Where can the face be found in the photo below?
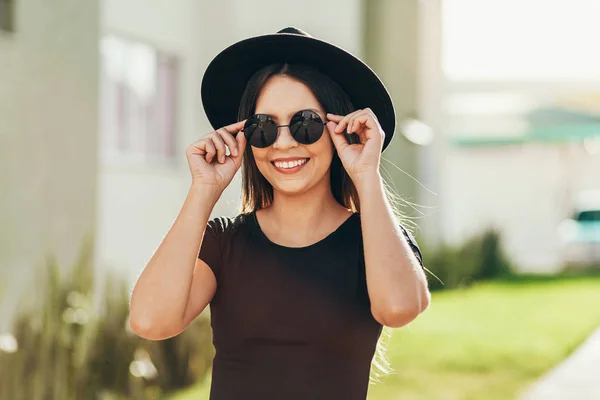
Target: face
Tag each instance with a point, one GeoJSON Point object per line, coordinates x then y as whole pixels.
{"type": "Point", "coordinates": [289, 166]}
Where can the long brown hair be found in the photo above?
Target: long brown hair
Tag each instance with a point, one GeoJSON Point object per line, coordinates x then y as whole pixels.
{"type": "Point", "coordinates": [257, 192]}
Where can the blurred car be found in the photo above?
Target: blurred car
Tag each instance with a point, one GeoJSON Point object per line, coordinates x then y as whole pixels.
{"type": "Point", "coordinates": [580, 234]}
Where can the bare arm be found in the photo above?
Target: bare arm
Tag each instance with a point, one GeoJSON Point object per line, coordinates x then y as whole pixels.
{"type": "Point", "coordinates": [163, 302]}
{"type": "Point", "coordinates": [176, 286]}
{"type": "Point", "coordinates": [396, 282]}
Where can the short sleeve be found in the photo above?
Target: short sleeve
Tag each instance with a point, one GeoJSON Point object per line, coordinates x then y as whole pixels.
{"type": "Point", "coordinates": [211, 250]}
{"type": "Point", "coordinates": [413, 244]}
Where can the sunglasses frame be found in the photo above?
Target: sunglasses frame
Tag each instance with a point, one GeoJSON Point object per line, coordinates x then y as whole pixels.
{"type": "Point", "coordinates": [323, 121]}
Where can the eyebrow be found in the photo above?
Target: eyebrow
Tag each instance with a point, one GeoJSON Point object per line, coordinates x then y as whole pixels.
{"type": "Point", "coordinates": [294, 112]}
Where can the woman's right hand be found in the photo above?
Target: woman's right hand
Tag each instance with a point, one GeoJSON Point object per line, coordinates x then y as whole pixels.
{"type": "Point", "coordinates": [208, 161]}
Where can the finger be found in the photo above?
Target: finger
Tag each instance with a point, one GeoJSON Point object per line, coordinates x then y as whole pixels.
{"type": "Point", "coordinates": [372, 114]}
{"type": "Point", "coordinates": [229, 141]}
{"type": "Point", "coordinates": [235, 128]}
{"type": "Point", "coordinates": [210, 150]}
{"type": "Point", "coordinates": [334, 117]}
{"type": "Point", "coordinates": [355, 125]}
{"type": "Point", "coordinates": [344, 122]}
{"type": "Point", "coordinates": [369, 121]}
{"type": "Point", "coordinates": [241, 145]}
{"type": "Point", "coordinates": [339, 141]}
{"type": "Point", "coordinates": [351, 123]}
{"type": "Point", "coordinates": [373, 135]}
{"type": "Point", "coordinates": [220, 146]}
{"type": "Point", "coordinates": [197, 148]}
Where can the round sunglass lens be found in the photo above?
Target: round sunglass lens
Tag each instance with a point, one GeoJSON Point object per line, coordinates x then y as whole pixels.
{"type": "Point", "coordinates": [306, 127]}
{"type": "Point", "coordinates": [260, 131]}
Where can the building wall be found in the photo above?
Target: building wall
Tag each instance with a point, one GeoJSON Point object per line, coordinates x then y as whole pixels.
{"type": "Point", "coordinates": [403, 46]}
{"type": "Point", "coordinates": [392, 51]}
{"type": "Point", "coordinates": [138, 204]}
{"type": "Point", "coordinates": [48, 137]}
{"type": "Point", "coordinates": [525, 191]}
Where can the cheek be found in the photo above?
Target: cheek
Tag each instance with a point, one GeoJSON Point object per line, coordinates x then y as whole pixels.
{"type": "Point", "coordinates": [260, 157]}
{"type": "Point", "coordinates": [260, 161]}
{"type": "Point", "coordinates": [323, 154]}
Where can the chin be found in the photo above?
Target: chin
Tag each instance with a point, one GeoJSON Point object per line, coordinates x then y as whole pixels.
{"type": "Point", "coordinates": [291, 187]}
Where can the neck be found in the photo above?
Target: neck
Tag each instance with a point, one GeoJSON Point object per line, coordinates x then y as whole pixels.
{"type": "Point", "coordinates": [304, 211]}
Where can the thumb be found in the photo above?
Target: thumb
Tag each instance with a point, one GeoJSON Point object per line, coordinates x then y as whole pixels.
{"type": "Point", "coordinates": [338, 139]}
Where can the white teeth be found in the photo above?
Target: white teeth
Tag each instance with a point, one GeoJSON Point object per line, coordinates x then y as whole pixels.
{"type": "Point", "coordinates": [290, 164]}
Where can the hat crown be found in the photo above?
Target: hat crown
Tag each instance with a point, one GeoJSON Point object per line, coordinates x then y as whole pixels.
{"type": "Point", "coordinates": [293, 30]}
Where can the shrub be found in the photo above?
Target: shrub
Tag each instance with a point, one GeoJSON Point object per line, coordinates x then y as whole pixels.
{"type": "Point", "coordinates": [479, 257]}
{"type": "Point", "coordinates": [70, 348]}
{"type": "Point", "coordinates": [493, 261]}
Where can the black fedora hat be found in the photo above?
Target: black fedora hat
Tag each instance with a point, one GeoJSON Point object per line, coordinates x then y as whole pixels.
{"type": "Point", "coordinates": [228, 73]}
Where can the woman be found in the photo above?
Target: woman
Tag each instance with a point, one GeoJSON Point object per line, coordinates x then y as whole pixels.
{"type": "Point", "coordinates": [300, 283]}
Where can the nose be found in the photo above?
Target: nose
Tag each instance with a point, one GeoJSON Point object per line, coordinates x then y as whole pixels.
{"type": "Point", "coordinates": [285, 140]}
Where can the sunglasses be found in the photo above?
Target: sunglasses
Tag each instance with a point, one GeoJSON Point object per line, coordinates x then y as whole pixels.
{"type": "Point", "coordinates": [306, 127]}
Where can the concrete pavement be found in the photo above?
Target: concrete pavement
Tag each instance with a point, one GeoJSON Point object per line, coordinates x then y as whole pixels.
{"type": "Point", "coordinates": [576, 378]}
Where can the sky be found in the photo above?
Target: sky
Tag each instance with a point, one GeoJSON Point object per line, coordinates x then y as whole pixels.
{"type": "Point", "coordinates": [521, 40]}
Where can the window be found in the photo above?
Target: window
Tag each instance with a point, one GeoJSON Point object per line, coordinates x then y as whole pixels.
{"type": "Point", "coordinates": [7, 15]}
{"type": "Point", "coordinates": [138, 103]}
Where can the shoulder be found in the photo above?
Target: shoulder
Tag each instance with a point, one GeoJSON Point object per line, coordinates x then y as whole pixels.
{"type": "Point", "coordinates": [228, 224]}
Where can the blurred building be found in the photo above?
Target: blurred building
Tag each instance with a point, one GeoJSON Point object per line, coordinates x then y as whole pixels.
{"type": "Point", "coordinates": [519, 118]}
{"type": "Point", "coordinates": [48, 136]}
{"type": "Point", "coordinates": [523, 180]}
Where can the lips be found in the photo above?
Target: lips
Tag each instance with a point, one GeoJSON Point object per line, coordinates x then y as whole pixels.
{"type": "Point", "coordinates": [289, 166]}
{"type": "Point", "coordinates": [286, 164]}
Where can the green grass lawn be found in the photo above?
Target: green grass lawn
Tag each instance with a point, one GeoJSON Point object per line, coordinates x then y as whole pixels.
{"type": "Point", "coordinates": [487, 342]}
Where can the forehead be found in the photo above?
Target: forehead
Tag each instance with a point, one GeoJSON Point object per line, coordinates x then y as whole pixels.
{"type": "Point", "coordinates": [282, 96]}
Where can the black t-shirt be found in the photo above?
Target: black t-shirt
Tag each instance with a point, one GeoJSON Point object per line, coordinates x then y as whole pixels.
{"type": "Point", "coordinates": [289, 323]}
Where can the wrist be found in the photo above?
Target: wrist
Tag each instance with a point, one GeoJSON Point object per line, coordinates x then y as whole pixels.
{"type": "Point", "coordinates": [205, 192]}
{"type": "Point", "coordinates": [367, 180]}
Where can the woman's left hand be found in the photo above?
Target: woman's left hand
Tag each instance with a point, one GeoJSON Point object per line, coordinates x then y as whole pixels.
{"type": "Point", "coordinates": [361, 159]}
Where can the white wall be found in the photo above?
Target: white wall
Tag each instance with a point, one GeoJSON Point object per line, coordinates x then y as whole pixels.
{"type": "Point", "coordinates": [48, 136]}
{"type": "Point", "coordinates": [338, 21]}
{"type": "Point", "coordinates": [523, 190]}
{"type": "Point", "coordinates": [137, 205]}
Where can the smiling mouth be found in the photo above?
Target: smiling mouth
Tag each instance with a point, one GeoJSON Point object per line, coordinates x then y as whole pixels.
{"type": "Point", "coordinates": [290, 164]}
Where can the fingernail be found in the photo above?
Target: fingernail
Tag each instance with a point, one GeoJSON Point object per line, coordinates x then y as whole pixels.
{"type": "Point", "coordinates": [235, 152]}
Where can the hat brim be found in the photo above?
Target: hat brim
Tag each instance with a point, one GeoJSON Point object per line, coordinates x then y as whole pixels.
{"type": "Point", "coordinates": [228, 73]}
